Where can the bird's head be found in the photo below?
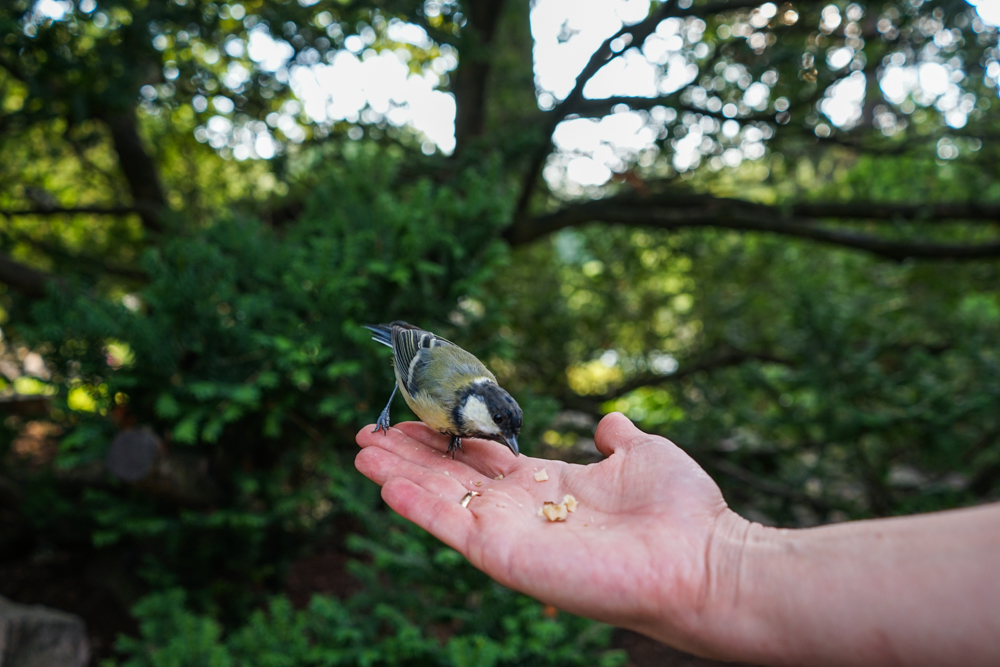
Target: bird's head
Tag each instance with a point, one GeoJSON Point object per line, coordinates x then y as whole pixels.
{"type": "Point", "coordinates": [487, 411]}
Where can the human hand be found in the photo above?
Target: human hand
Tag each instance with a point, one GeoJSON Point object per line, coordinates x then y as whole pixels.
{"type": "Point", "coordinates": [638, 551]}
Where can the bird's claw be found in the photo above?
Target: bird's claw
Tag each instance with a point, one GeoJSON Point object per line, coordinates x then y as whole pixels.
{"type": "Point", "coordinates": [383, 422]}
{"type": "Point", "coordinates": [454, 446]}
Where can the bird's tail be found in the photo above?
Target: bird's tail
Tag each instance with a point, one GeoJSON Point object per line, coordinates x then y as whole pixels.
{"type": "Point", "coordinates": [383, 333]}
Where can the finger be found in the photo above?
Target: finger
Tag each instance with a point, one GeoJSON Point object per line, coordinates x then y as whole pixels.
{"type": "Point", "coordinates": [421, 451]}
{"type": "Point", "coordinates": [486, 457]}
{"type": "Point", "coordinates": [398, 442]}
{"type": "Point", "coordinates": [617, 432]}
{"type": "Point", "coordinates": [440, 515]}
{"type": "Point", "coordinates": [381, 467]}
{"type": "Point", "coordinates": [368, 437]}
{"type": "Point", "coordinates": [423, 434]}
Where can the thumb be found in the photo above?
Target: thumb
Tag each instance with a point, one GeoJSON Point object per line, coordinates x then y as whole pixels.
{"type": "Point", "coordinates": [617, 432]}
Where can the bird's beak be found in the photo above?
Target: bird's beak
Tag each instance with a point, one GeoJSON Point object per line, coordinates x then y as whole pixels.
{"type": "Point", "coordinates": [511, 442]}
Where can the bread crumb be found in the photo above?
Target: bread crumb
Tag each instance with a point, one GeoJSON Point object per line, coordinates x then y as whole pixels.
{"type": "Point", "coordinates": [498, 477]}
{"type": "Point", "coordinates": [478, 483]}
{"type": "Point", "coordinates": [558, 511]}
{"type": "Point", "coordinates": [541, 475]}
{"type": "Point", "coordinates": [554, 511]}
{"type": "Point", "coordinates": [447, 473]}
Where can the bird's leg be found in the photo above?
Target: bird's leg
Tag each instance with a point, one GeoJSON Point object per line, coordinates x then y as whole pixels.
{"type": "Point", "coordinates": [454, 446]}
{"type": "Point", "coordinates": [383, 419]}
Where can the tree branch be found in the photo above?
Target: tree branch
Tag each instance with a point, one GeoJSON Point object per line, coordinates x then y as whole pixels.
{"type": "Point", "coordinates": [672, 211]}
{"type": "Point", "coordinates": [23, 278]}
{"type": "Point", "coordinates": [722, 360]}
{"type": "Point", "coordinates": [14, 69]}
{"type": "Point", "coordinates": [596, 108]}
{"type": "Point", "coordinates": [138, 168]}
{"type": "Point", "coordinates": [72, 210]}
{"type": "Point", "coordinates": [31, 282]}
{"type": "Point", "coordinates": [636, 35]}
{"type": "Point", "coordinates": [862, 210]}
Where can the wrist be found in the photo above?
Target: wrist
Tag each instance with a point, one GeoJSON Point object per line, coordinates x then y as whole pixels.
{"type": "Point", "coordinates": [773, 601]}
{"type": "Point", "coordinates": [715, 618]}
{"type": "Point", "coordinates": [734, 623]}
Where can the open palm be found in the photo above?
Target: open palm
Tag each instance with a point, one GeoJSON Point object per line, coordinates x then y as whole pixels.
{"type": "Point", "coordinates": [635, 553]}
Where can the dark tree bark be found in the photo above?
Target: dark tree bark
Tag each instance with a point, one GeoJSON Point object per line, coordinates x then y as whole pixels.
{"type": "Point", "coordinates": [470, 79]}
{"type": "Point", "coordinates": [672, 211]}
{"type": "Point", "coordinates": [138, 168]}
{"type": "Point", "coordinates": [21, 277]}
{"type": "Point", "coordinates": [72, 210]}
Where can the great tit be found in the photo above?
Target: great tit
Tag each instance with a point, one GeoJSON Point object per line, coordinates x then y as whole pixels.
{"type": "Point", "coordinates": [448, 388]}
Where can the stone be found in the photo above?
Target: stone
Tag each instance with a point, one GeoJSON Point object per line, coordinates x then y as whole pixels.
{"type": "Point", "coordinates": [36, 636]}
{"type": "Point", "coordinates": [133, 454]}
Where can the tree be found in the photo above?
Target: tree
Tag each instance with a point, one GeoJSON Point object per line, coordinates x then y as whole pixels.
{"type": "Point", "coordinates": [770, 71]}
{"type": "Point", "coordinates": [801, 292]}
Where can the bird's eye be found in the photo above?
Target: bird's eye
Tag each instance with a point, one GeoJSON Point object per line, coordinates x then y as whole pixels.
{"type": "Point", "coordinates": [497, 418]}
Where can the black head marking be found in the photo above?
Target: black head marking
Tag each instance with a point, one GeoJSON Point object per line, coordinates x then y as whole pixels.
{"type": "Point", "coordinates": [504, 409]}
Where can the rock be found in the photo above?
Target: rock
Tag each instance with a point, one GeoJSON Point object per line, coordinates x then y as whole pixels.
{"type": "Point", "coordinates": [138, 457]}
{"type": "Point", "coordinates": [36, 636]}
{"type": "Point", "coordinates": [133, 454]}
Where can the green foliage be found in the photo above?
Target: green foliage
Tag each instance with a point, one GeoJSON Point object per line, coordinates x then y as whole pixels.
{"type": "Point", "coordinates": [334, 632]}
{"type": "Point", "coordinates": [816, 385]}
{"type": "Point", "coordinates": [420, 603]}
{"type": "Point", "coordinates": [180, 637]}
{"type": "Point", "coordinates": [244, 351]}
{"type": "Point", "coordinates": [854, 388]}
{"type": "Point", "coordinates": [881, 396]}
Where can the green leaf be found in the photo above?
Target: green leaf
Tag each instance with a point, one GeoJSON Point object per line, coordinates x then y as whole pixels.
{"type": "Point", "coordinates": [167, 406]}
{"type": "Point", "coordinates": [204, 390]}
{"type": "Point", "coordinates": [186, 431]}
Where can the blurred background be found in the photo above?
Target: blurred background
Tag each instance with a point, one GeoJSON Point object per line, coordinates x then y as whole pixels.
{"type": "Point", "coordinates": [767, 231]}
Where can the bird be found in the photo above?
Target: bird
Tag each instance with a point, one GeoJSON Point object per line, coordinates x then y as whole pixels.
{"type": "Point", "coordinates": [448, 388]}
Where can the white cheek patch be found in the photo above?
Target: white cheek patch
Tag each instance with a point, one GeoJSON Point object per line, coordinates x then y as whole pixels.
{"type": "Point", "coordinates": [475, 416]}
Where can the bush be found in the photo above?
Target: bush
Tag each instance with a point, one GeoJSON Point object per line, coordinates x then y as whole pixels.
{"type": "Point", "coordinates": [419, 603]}
{"type": "Point", "coordinates": [243, 351]}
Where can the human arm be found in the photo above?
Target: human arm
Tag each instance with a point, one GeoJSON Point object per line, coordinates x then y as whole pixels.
{"type": "Point", "coordinates": [916, 590]}
{"type": "Point", "coordinates": [654, 548]}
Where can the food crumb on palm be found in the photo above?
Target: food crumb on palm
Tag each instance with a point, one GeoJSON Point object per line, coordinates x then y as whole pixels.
{"type": "Point", "coordinates": [554, 511]}
{"type": "Point", "coordinates": [558, 511]}
{"type": "Point", "coordinates": [570, 502]}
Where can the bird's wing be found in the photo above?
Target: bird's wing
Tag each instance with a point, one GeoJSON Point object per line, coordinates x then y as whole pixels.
{"type": "Point", "coordinates": [407, 343]}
